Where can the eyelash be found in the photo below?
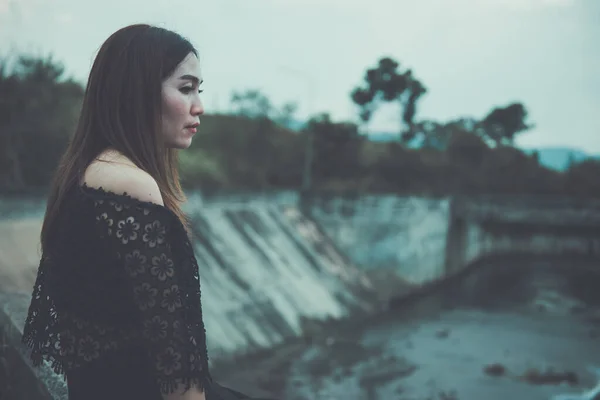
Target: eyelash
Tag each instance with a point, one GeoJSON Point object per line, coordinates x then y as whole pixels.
{"type": "Point", "coordinates": [187, 90]}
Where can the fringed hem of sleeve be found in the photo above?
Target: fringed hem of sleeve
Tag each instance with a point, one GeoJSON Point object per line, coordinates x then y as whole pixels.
{"type": "Point", "coordinates": [174, 384]}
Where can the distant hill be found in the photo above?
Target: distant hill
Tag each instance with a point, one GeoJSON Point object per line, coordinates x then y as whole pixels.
{"type": "Point", "coordinates": [383, 137]}
{"type": "Point", "coordinates": [559, 158]}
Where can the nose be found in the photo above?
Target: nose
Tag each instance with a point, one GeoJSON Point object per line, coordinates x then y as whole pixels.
{"type": "Point", "coordinates": [197, 107]}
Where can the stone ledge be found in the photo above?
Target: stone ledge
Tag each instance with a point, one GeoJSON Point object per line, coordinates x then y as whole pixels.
{"type": "Point", "coordinates": [39, 383]}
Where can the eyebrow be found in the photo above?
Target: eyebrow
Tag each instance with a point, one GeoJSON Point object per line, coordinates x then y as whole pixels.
{"type": "Point", "coordinates": [191, 78]}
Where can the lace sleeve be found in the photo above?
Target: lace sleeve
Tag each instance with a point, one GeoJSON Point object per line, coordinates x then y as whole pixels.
{"type": "Point", "coordinates": [140, 236]}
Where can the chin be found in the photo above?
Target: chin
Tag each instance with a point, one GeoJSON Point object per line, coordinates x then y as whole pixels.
{"type": "Point", "coordinates": [181, 144]}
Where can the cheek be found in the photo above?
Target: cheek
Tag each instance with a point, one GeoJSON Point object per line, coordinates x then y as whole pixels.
{"type": "Point", "coordinates": [175, 105]}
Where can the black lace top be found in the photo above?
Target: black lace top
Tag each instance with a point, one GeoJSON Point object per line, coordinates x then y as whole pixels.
{"type": "Point", "coordinates": [121, 272]}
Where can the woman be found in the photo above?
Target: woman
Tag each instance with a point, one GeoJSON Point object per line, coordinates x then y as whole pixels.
{"type": "Point", "coordinates": [116, 303]}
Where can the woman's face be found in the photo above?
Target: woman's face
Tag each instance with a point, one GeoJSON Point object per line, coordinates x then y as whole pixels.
{"type": "Point", "coordinates": [181, 104]}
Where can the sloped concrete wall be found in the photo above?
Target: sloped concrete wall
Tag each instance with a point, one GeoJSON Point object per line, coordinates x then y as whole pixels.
{"type": "Point", "coordinates": [405, 234]}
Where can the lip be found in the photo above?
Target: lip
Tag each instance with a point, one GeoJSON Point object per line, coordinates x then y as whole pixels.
{"type": "Point", "coordinates": [192, 127]}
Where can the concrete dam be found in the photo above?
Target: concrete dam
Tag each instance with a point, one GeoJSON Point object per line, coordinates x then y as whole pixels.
{"type": "Point", "coordinates": [271, 265]}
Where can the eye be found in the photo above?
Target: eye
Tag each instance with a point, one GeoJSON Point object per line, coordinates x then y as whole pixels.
{"type": "Point", "coordinates": [189, 89]}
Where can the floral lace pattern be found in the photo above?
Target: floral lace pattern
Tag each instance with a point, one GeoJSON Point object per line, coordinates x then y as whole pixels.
{"type": "Point", "coordinates": [158, 267]}
{"type": "Point", "coordinates": [66, 340]}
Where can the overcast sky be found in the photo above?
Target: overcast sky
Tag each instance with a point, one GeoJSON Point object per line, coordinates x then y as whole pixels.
{"type": "Point", "coordinates": [472, 55]}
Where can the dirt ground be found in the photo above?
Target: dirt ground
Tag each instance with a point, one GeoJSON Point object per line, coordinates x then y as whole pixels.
{"type": "Point", "coordinates": [19, 254]}
{"type": "Point", "coordinates": [461, 354]}
{"type": "Point", "coordinates": [534, 336]}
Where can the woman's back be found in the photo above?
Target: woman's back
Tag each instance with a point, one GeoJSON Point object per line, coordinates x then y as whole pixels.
{"type": "Point", "coordinates": [116, 305]}
{"type": "Point", "coordinates": [126, 370]}
{"type": "Point", "coordinates": [116, 173]}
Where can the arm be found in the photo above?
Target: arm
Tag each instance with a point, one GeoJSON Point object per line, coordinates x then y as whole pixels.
{"type": "Point", "coordinates": [139, 234]}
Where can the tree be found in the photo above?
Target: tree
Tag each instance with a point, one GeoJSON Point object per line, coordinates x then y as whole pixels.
{"type": "Point", "coordinates": [385, 83]}
{"type": "Point", "coordinates": [429, 134]}
{"type": "Point", "coordinates": [38, 112]}
{"type": "Point", "coordinates": [336, 147]}
{"type": "Point", "coordinates": [254, 104]}
{"type": "Point", "coordinates": [503, 123]}
{"type": "Point", "coordinates": [467, 149]}
{"type": "Point", "coordinates": [581, 179]}
{"type": "Point", "coordinates": [285, 115]}
{"type": "Point", "coordinates": [251, 104]}
{"type": "Point", "coordinates": [571, 161]}
{"type": "Point", "coordinates": [535, 156]}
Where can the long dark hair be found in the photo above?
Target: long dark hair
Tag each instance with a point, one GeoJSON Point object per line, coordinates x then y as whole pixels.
{"type": "Point", "coordinates": [122, 109]}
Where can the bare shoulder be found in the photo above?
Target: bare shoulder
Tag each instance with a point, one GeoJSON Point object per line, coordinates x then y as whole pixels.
{"type": "Point", "coordinates": [120, 176]}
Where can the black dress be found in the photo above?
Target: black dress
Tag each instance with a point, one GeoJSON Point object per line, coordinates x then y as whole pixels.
{"type": "Point", "coordinates": [116, 303]}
